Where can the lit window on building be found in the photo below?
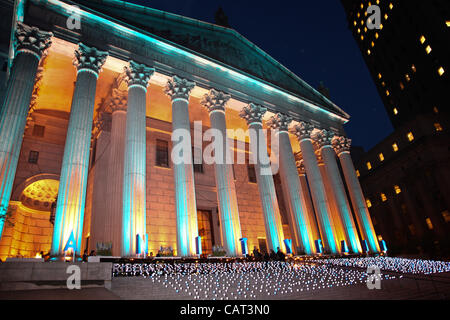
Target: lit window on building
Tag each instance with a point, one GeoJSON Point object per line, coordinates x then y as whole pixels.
{"type": "Point", "coordinates": [412, 229]}
{"type": "Point", "coordinates": [369, 166]}
{"type": "Point", "coordinates": [372, 44]}
{"type": "Point", "coordinates": [381, 157]}
{"type": "Point", "coordinates": [441, 71]}
{"type": "Point", "coordinates": [410, 136]}
{"type": "Point", "coordinates": [383, 197]}
{"type": "Point", "coordinates": [386, 16]}
{"type": "Point", "coordinates": [395, 111]}
{"type": "Point", "coordinates": [438, 127]}
{"type": "Point", "coordinates": [402, 85]}
{"type": "Point", "coordinates": [435, 110]}
{"type": "Point", "coordinates": [33, 157]}
{"type": "Point", "coordinates": [380, 237]}
{"type": "Point", "coordinates": [362, 37]}
{"type": "Point", "coordinates": [365, 29]}
{"type": "Point", "coordinates": [395, 147]}
{"type": "Point", "coordinates": [368, 52]}
{"type": "Point", "coordinates": [38, 131]}
{"type": "Point", "coordinates": [357, 173]}
{"type": "Point", "coordinates": [369, 204]}
{"type": "Point", "coordinates": [413, 68]}
{"type": "Point", "coordinates": [428, 49]}
{"type": "Point", "coordinates": [447, 23]}
{"type": "Point", "coordinates": [381, 26]}
{"type": "Point", "coordinates": [388, 93]}
{"type": "Point", "coordinates": [162, 153]}
{"type": "Point", "coordinates": [379, 76]}
{"type": "Point", "coordinates": [376, 35]}
{"type": "Point", "coordinates": [354, 23]}
{"type": "Point", "coordinates": [446, 215]}
{"type": "Point", "coordinates": [383, 84]}
{"type": "Point", "coordinates": [429, 224]}
{"type": "Point", "coordinates": [251, 173]}
{"type": "Point", "coordinates": [407, 77]}
{"type": "Point", "coordinates": [422, 39]}
{"type": "Point", "coordinates": [397, 189]}
{"type": "Point", "coordinates": [391, 6]}
{"type": "Point", "coordinates": [359, 30]}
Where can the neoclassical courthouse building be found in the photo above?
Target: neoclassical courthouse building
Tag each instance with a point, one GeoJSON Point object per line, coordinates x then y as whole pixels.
{"type": "Point", "coordinates": [92, 91]}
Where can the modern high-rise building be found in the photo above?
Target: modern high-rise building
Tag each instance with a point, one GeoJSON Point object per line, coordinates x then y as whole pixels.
{"type": "Point", "coordinates": [106, 104]}
{"type": "Point", "coordinates": [406, 177]}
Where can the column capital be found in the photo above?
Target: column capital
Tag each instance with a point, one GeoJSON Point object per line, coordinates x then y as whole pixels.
{"type": "Point", "coordinates": [323, 138]}
{"type": "Point", "coordinates": [215, 100]}
{"type": "Point", "coordinates": [341, 144]}
{"type": "Point", "coordinates": [32, 40]}
{"type": "Point", "coordinates": [89, 59]}
{"type": "Point", "coordinates": [300, 166]}
{"type": "Point", "coordinates": [138, 74]}
{"type": "Point", "coordinates": [303, 130]}
{"type": "Point", "coordinates": [179, 88]}
{"type": "Point", "coordinates": [253, 113]}
{"type": "Point", "coordinates": [280, 122]}
{"type": "Point", "coordinates": [118, 101]}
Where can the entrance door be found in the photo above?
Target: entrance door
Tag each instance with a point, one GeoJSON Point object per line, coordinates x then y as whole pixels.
{"type": "Point", "coordinates": [262, 245]}
{"type": "Point", "coordinates": [204, 218]}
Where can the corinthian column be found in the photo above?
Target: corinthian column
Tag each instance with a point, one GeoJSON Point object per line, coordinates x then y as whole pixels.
{"type": "Point", "coordinates": [72, 186]}
{"type": "Point", "coordinates": [303, 132]}
{"type": "Point", "coordinates": [323, 140]}
{"type": "Point", "coordinates": [215, 102]}
{"type": "Point", "coordinates": [114, 188]}
{"type": "Point", "coordinates": [272, 219]}
{"type": "Point", "coordinates": [291, 185]}
{"type": "Point", "coordinates": [31, 44]}
{"type": "Point", "coordinates": [134, 174]}
{"type": "Point", "coordinates": [342, 147]}
{"type": "Point", "coordinates": [187, 226]}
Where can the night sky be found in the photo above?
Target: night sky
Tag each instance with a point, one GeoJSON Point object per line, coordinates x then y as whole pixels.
{"type": "Point", "coordinates": [312, 39]}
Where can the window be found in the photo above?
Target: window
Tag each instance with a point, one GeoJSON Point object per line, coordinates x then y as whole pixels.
{"type": "Point", "coordinates": [33, 157]}
{"type": "Point", "coordinates": [379, 76]}
{"type": "Point", "coordinates": [391, 6]}
{"type": "Point", "coordinates": [395, 111]}
{"type": "Point", "coordinates": [413, 68]}
{"type": "Point", "coordinates": [447, 23]}
{"type": "Point", "coordinates": [38, 131]}
{"type": "Point", "coordinates": [441, 71]}
{"type": "Point", "coordinates": [357, 173]}
{"type": "Point", "coordinates": [402, 86]}
{"type": "Point", "coordinates": [422, 39]}
{"type": "Point", "coordinates": [410, 136]}
{"type": "Point", "coordinates": [369, 204]}
{"type": "Point", "coordinates": [162, 153]}
{"type": "Point", "coordinates": [397, 189]}
{"type": "Point", "coordinates": [381, 157]}
{"type": "Point", "coordinates": [412, 229]}
{"type": "Point", "coordinates": [435, 110]}
{"type": "Point", "coordinates": [369, 165]}
{"type": "Point", "coordinates": [388, 93]}
{"type": "Point", "coordinates": [407, 77]}
{"type": "Point", "coordinates": [446, 215]}
{"type": "Point", "coordinates": [429, 224]}
{"type": "Point", "coordinates": [383, 197]}
{"type": "Point", "coordinates": [438, 127]}
{"type": "Point", "coordinates": [251, 173]}
{"type": "Point", "coordinates": [395, 147]}
{"type": "Point", "coordinates": [197, 160]}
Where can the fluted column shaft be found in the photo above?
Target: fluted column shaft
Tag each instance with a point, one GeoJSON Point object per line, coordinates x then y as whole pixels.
{"type": "Point", "coordinates": [185, 202]}
{"type": "Point", "coordinates": [72, 187]}
{"type": "Point", "coordinates": [340, 196]}
{"type": "Point", "coordinates": [134, 173]}
{"type": "Point", "coordinates": [215, 102]}
{"type": "Point", "coordinates": [114, 188]}
{"type": "Point", "coordinates": [309, 207]}
{"type": "Point", "coordinates": [14, 111]}
{"type": "Point", "coordinates": [258, 149]}
{"type": "Point", "coordinates": [357, 198]}
{"type": "Point", "coordinates": [303, 133]}
{"type": "Point", "coordinates": [291, 185]}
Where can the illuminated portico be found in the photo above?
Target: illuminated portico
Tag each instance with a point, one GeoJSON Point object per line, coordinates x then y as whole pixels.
{"type": "Point", "coordinates": [129, 179]}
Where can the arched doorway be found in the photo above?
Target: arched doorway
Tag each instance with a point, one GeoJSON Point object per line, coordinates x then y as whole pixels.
{"type": "Point", "coordinates": [28, 230]}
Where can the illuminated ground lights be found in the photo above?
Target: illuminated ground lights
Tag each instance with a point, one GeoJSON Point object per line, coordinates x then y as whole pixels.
{"type": "Point", "coordinates": [402, 265]}
{"type": "Point", "coordinates": [244, 280]}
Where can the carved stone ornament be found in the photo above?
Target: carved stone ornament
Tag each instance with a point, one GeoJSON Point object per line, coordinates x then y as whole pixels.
{"type": "Point", "coordinates": [32, 40]}
{"type": "Point", "coordinates": [302, 130]}
{"type": "Point", "coordinates": [215, 100]}
{"type": "Point", "coordinates": [89, 58]}
{"type": "Point", "coordinates": [341, 144]}
{"type": "Point", "coordinates": [138, 74]}
{"type": "Point", "coordinates": [280, 122]}
{"type": "Point", "coordinates": [179, 88]}
{"type": "Point", "coordinates": [323, 138]}
{"type": "Point", "coordinates": [253, 113]}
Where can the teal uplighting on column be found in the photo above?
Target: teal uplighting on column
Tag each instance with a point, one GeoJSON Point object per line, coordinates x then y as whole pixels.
{"type": "Point", "coordinates": [186, 207]}
{"type": "Point", "coordinates": [215, 102]}
{"type": "Point", "coordinates": [342, 147]}
{"type": "Point", "coordinates": [134, 175]}
{"type": "Point", "coordinates": [303, 132]}
{"type": "Point", "coordinates": [291, 185]}
{"type": "Point", "coordinates": [30, 46]}
{"type": "Point", "coordinates": [253, 114]}
{"type": "Point", "coordinates": [72, 186]}
{"type": "Point", "coordinates": [323, 140]}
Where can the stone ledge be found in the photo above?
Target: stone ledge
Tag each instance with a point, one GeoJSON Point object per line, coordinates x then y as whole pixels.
{"type": "Point", "coordinates": [28, 275]}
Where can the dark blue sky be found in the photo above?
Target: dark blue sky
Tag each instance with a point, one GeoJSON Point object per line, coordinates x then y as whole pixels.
{"type": "Point", "coordinates": [312, 39]}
